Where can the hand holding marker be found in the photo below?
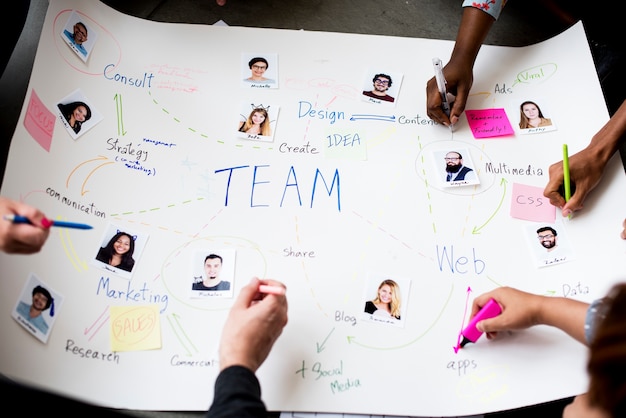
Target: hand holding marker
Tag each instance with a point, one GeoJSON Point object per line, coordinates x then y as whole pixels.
{"type": "Point", "coordinates": [471, 333]}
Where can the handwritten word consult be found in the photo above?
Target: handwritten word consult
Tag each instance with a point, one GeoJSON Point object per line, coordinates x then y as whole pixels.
{"type": "Point", "coordinates": [143, 81]}
{"type": "Point", "coordinates": [257, 187]}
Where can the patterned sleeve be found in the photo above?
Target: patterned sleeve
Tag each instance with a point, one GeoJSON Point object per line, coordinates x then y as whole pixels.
{"type": "Point", "coordinates": [595, 314]}
{"type": "Point", "coordinates": [492, 7]}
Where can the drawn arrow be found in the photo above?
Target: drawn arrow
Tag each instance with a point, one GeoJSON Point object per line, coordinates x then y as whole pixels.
{"type": "Point", "coordinates": [102, 319]}
{"type": "Point", "coordinates": [460, 337]}
{"type": "Point", "coordinates": [99, 158]}
{"type": "Point", "coordinates": [321, 347]}
{"type": "Point", "coordinates": [384, 118]}
{"type": "Point", "coordinates": [120, 116]}
{"type": "Point", "coordinates": [477, 229]}
{"type": "Point", "coordinates": [180, 333]}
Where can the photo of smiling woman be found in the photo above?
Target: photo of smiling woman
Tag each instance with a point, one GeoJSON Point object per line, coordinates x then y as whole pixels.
{"type": "Point", "coordinates": [387, 302]}
{"type": "Point", "coordinates": [118, 252]}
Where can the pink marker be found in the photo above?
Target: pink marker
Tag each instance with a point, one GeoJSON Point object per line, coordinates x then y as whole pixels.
{"type": "Point", "coordinates": [471, 333]}
{"type": "Point", "coordinates": [272, 290]}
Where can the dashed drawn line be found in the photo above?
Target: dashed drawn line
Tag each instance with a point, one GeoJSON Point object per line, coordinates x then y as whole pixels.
{"type": "Point", "coordinates": [205, 136]}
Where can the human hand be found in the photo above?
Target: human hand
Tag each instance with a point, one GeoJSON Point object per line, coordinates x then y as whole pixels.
{"type": "Point", "coordinates": [459, 80]}
{"type": "Point", "coordinates": [585, 173]}
{"type": "Point", "coordinates": [254, 323]}
{"type": "Point", "coordinates": [623, 234]}
{"type": "Point", "coordinates": [519, 310]}
{"type": "Point", "coordinates": [580, 408]}
{"type": "Point", "coordinates": [22, 238]}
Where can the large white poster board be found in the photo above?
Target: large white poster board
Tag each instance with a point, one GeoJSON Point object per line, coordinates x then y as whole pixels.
{"type": "Point", "coordinates": [342, 192]}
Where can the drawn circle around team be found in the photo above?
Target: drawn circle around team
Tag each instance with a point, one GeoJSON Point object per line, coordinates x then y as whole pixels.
{"type": "Point", "coordinates": [432, 172]}
{"type": "Point", "coordinates": [176, 270]}
{"type": "Point", "coordinates": [65, 52]}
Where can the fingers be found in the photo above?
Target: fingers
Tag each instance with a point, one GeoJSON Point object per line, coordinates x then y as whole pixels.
{"type": "Point", "coordinates": [623, 234]}
{"type": "Point", "coordinates": [247, 294]}
{"type": "Point", "coordinates": [433, 103]}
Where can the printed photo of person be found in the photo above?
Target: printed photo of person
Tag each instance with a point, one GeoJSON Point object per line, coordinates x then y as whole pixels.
{"type": "Point", "coordinates": [385, 300]}
{"type": "Point", "coordinates": [37, 308]}
{"type": "Point", "coordinates": [456, 167]}
{"type": "Point", "coordinates": [549, 243]}
{"type": "Point", "coordinates": [260, 71]}
{"type": "Point", "coordinates": [532, 119]}
{"type": "Point", "coordinates": [381, 87]}
{"type": "Point", "coordinates": [119, 251]}
{"type": "Point", "coordinates": [77, 114]}
{"type": "Point", "coordinates": [79, 36]}
{"type": "Point", "coordinates": [213, 272]}
{"type": "Point", "coordinates": [257, 122]}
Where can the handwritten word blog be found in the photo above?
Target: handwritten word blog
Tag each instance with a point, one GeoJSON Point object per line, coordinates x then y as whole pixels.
{"type": "Point", "coordinates": [291, 189]}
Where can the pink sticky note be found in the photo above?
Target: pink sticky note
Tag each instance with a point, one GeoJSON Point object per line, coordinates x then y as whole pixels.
{"type": "Point", "coordinates": [39, 121]}
{"type": "Point", "coordinates": [487, 123]}
{"type": "Point", "coordinates": [529, 203]}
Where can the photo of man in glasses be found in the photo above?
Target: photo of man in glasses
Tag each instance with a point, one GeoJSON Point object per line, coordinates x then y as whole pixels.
{"type": "Point", "coordinates": [382, 83]}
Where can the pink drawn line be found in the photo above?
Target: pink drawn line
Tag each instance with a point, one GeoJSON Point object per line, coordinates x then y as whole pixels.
{"type": "Point", "coordinates": [460, 337]}
{"type": "Point", "coordinates": [87, 330]}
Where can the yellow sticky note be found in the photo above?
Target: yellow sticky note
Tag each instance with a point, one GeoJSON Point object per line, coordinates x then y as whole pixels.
{"type": "Point", "coordinates": [345, 144]}
{"type": "Point", "coordinates": [135, 328]}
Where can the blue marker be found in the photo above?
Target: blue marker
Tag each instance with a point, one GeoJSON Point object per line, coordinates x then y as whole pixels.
{"type": "Point", "coordinates": [17, 219]}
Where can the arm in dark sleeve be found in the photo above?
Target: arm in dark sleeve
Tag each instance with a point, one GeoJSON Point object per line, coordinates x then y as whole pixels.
{"type": "Point", "coordinates": [237, 395]}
